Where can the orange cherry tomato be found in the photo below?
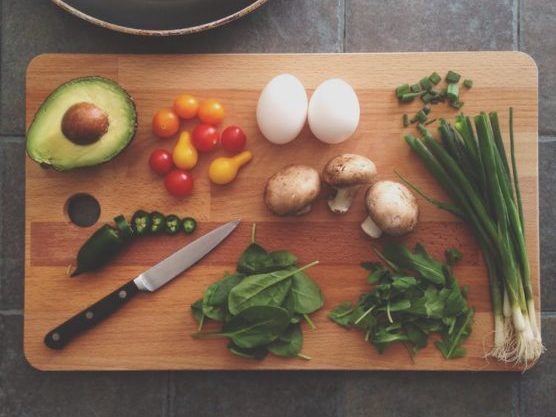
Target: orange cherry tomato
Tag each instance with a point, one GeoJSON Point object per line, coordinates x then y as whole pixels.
{"type": "Point", "coordinates": [166, 123]}
{"type": "Point", "coordinates": [211, 112]}
{"type": "Point", "coordinates": [186, 106]}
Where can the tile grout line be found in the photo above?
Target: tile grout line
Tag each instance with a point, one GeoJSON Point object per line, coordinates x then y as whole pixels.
{"type": "Point", "coordinates": [515, 24]}
{"type": "Point", "coordinates": [344, 41]}
{"type": "Point", "coordinates": [11, 312]}
{"type": "Point", "coordinates": [547, 139]}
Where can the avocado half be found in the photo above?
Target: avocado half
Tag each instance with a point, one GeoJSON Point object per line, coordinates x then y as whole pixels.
{"type": "Point", "coordinates": [84, 122]}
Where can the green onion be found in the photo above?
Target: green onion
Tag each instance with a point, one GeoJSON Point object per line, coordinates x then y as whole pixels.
{"type": "Point", "coordinates": [415, 88]}
{"type": "Point", "coordinates": [408, 97]}
{"type": "Point", "coordinates": [452, 92]}
{"type": "Point", "coordinates": [474, 171]}
{"type": "Point", "coordinates": [420, 117]}
{"type": "Point", "coordinates": [405, 120]}
{"type": "Point", "coordinates": [468, 83]}
{"type": "Point", "coordinates": [427, 108]}
{"type": "Point", "coordinates": [402, 89]}
{"type": "Point", "coordinates": [426, 84]}
{"type": "Point", "coordinates": [452, 77]}
{"type": "Point", "coordinates": [435, 78]}
{"type": "Point", "coordinates": [427, 97]}
{"type": "Point", "coordinates": [458, 104]}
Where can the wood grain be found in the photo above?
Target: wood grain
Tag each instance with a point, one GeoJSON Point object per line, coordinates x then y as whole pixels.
{"type": "Point", "coordinates": [154, 331]}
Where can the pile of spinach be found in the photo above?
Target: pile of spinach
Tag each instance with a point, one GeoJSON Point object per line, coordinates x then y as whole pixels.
{"type": "Point", "coordinates": [413, 296]}
{"type": "Point", "coordinates": [261, 305]}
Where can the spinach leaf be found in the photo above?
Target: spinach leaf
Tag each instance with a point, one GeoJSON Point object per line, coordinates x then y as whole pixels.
{"type": "Point", "coordinates": [197, 310]}
{"type": "Point", "coordinates": [253, 353]}
{"type": "Point", "coordinates": [254, 260]}
{"type": "Point", "coordinates": [221, 289]}
{"type": "Point", "coordinates": [289, 343]}
{"type": "Point", "coordinates": [256, 326]}
{"type": "Point", "coordinates": [253, 327]}
{"type": "Point", "coordinates": [282, 259]}
{"type": "Point", "coordinates": [307, 296]}
{"type": "Point", "coordinates": [261, 289]}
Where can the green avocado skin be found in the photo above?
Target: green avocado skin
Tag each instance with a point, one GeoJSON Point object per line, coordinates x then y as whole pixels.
{"type": "Point", "coordinates": [40, 147]}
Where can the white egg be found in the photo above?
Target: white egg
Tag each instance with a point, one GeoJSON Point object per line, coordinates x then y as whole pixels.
{"type": "Point", "coordinates": [333, 111]}
{"type": "Point", "coordinates": [282, 109]}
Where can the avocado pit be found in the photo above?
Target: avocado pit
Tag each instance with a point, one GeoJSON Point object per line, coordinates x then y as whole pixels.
{"type": "Point", "coordinates": [84, 123]}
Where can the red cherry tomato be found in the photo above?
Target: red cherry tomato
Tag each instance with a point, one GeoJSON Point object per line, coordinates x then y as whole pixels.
{"type": "Point", "coordinates": [179, 183]}
{"type": "Point", "coordinates": [205, 137]}
{"type": "Point", "coordinates": [233, 139]}
{"type": "Point", "coordinates": [161, 161]}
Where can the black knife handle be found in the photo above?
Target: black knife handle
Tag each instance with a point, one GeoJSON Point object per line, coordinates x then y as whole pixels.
{"type": "Point", "coordinates": [94, 314]}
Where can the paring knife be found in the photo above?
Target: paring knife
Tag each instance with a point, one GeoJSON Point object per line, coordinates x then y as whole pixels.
{"type": "Point", "coordinates": [150, 280]}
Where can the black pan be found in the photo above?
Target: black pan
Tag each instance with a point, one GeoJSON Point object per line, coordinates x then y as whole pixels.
{"type": "Point", "coordinates": [159, 17]}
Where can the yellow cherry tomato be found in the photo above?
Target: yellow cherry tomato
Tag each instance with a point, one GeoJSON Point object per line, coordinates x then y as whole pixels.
{"type": "Point", "coordinates": [211, 112]}
{"type": "Point", "coordinates": [186, 106]}
{"type": "Point", "coordinates": [185, 155]}
{"type": "Point", "coordinates": [224, 170]}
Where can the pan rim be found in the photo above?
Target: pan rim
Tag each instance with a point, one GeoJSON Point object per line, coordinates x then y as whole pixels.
{"type": "Point", "coordinates": [159, 32]}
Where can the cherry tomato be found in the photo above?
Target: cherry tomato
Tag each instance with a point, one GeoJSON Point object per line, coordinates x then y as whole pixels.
{"type": "Point", "coordinates": [186, 106]}
{"type": "Point", "coordinates": [211, 112]}
{"type": "Point", "coordinates": [205, 137]}
{"type": "Point", "coordinates": [161, 161]}
{"type": "Point", "coordinates": [179, 183]}
{"type": "Point", "coordinates": [233, 139]}
{"type": "Point", "coordinates": [166, 123]}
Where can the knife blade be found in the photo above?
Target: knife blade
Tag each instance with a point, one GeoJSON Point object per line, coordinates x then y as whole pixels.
{"type": "Point", "coordinates": [150, 280]}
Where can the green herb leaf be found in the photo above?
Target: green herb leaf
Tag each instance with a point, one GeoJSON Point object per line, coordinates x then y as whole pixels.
{"type": "Point", "coordinates": [253, 353]}
{"type": "Point", "coordinates": [289, 343]}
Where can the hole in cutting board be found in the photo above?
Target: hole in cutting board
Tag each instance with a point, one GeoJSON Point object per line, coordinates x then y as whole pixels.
{"type": "Point", "coordinates": [83, 209]}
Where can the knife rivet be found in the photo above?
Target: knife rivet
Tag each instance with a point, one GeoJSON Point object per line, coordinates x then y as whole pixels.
{"type": "Point", "coordinates": [122, 294]}
{"type": "Point", "coordinates": [89, 315]}
{"type": "Point", "coordinates": [55, 336]}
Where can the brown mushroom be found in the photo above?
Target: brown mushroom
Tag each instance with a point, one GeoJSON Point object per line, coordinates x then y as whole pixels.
{"type": "Point", "coordinates": [392, 209]}
{"type": "Point", "coordinates": [346, 174]}
{"type": "Point", "coordinates": [84, 123]}
{"type": "Point", "coordinates": [292, 190]}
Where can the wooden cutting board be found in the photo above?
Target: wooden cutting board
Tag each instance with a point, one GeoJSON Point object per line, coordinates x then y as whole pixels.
{"type": "Point", "coordinates": [153, 332]}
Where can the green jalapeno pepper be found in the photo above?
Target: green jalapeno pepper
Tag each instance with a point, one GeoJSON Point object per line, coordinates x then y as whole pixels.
{"type": "Point", "coordinates": [172, 224]}
{"type": "Point", "coordinates": [123, 227]}
{"type": "Point", "coordinates": [99, 249]}
{"type": "Point", "coordinates": [141, 223]}
{"type": "Point", "coordinates": [158, 222]}
{"type": "Point", "coordinates": [189, 225]}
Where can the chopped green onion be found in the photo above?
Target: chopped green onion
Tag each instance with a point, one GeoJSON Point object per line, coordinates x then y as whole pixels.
{"type": "Point", "coordinates": [427, 108]}
{"type": "Point", "coordinates": [402, 89]}
{"type": "Point", "coordinates": [430, 122]}
{"type": "Point", "coordinates": [458, 104]}
{"type": "Point", "coordinates": [415, 88]}
{"type": "Point", "coordinates": [468, 83]}
{"type": "Point", "coordinates": [425, 83]}
{"type": "Point", "coordinates": [435, 78]}
{"type": "Point", "coordinates": [405, 120]}
{"type": "Point", "coordinates": [452, 92]}
{"type": "Point", "coordinates": [420, 117]}
{"type": "Point", "coordinates": [452, 77]}
{"type": "Point", "coordinates": [408, 97]}
{"type": "Point", "coordinates": [427, 97]}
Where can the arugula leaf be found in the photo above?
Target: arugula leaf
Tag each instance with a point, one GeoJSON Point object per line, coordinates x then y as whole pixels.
{"type": "Point", "coordinates": [378, 274]}
{"type": "Point", "coordinates": [418, 261]}
{"type": "Point", "coordinates": [453, 256]}
{"type": "Point", "coordinates": [343, 314]}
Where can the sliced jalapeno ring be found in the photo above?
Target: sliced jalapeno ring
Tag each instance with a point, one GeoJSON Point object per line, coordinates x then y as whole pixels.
{"type": "Point", "coordinates": [189, 225]}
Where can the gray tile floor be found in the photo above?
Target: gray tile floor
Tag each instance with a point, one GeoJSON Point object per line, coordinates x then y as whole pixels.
{"type": "Point", "coordinates": [31, 27]}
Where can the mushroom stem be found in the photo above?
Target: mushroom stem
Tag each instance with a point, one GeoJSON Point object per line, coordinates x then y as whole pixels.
{"type": "Point", "coordinates": [371, 228]}
{"type": "Point", "coordinates": [341, 202]}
